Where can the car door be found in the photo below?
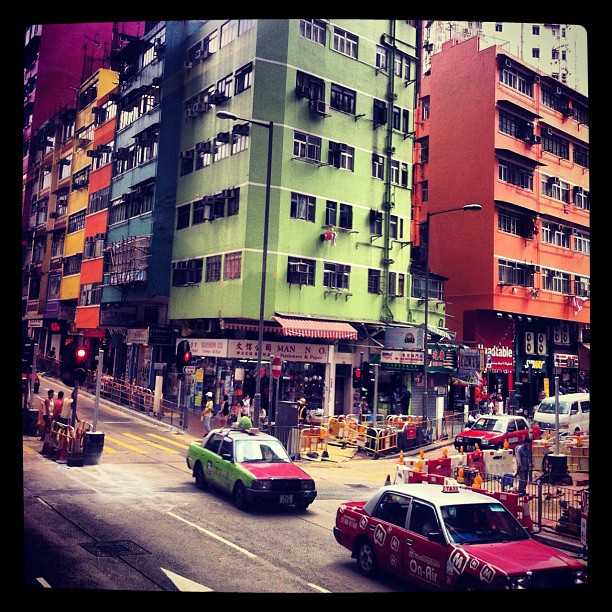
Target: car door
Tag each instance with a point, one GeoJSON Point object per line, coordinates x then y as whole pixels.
{"type": "Point", "coordinates": [424, 560]}
{"type": "Point", "coordinates": [388, 529]}
{"type": "Point", "coordinates": [522, 429]}
{"type": "Point", "coordinates": [222, 467]}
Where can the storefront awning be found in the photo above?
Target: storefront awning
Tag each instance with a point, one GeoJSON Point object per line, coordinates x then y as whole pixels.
{"type": "Point", "coordinates": [315, 328]}
{"type": "Point", "coordinates": [441, 332]}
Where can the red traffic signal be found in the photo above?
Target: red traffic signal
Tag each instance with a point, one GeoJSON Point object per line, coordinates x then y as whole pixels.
{"type": "Point", "coordinates": [187, 357]}
{"type": "Point", "coordinates": [81, 353]}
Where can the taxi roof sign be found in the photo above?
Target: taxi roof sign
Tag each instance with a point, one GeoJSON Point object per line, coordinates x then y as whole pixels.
{"type": "Point", "coordinates": [450, 486]}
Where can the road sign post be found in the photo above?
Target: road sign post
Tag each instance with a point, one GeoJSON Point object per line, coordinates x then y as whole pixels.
{"type": "Point", "coordinates": [277, 367]}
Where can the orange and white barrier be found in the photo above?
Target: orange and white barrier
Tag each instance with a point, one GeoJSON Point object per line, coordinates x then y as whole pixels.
{"type": "Point", "coordinates": [498, 462]}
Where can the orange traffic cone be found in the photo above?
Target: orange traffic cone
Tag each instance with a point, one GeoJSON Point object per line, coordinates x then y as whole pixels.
{"type": "Point", "coordinates": [75, 456]}
{"type": "Point", "coordinates": [527, 522]}
{"type": "Point", "coordinates": [388, 481]}
{"type": "Point", "coordinates": [62, 451]}
{"type": "Point", "coordinates": [401, 458]}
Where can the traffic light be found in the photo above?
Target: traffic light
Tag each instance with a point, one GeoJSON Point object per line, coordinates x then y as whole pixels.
{"type": "Point", "coordinates": [357, 378]}
{"type": "Point", "coordinates": [80, 368]}
{"type": "Point", "coordinates": [183, 355]}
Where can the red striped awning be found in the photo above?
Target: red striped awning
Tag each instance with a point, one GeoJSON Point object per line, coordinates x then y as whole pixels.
{"type": "Point", "coordinates": [315, 328]}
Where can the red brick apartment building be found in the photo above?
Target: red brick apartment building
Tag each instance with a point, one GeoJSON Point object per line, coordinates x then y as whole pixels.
{"type": "Point", "coordinates": [490, 129]}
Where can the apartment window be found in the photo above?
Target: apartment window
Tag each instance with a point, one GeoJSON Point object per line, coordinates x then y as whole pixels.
{"type": "Point", "coordinates": [222, 146]}
{"type": "Point", "coordinates": [535, 30]}
{"type": "Point", "coordinates": [425, 108]}
{"type": "Point", "coordinates": [340, 155]}
{"type": "Point", "coordinates": [243, 78]}
{"type": "Point", "coordinates": [240, 139]}
{"type": "Point", "coordinates": [57, 244]}
{"type": "Point", "coordinates": [376, 220]}
{"type": "Point", "coordinates": [336, 276]}
{"type": "Point", "coordinates": [187, 272]}
{"type": "Point", "coordinates": [514, 273]}
{"type": "Point", "coordinates": [555, 188]}
{"type": "Point", "coordinates": [401, 120]}
{"type": "Point", "coordinates": [306, 146]}
{"type": "Point", "coordinates": [379, 113]}
{"type": "Point", "coordinates": [582, 198]}
{"type": "Point", "coordinates": [93, 246]}
{"type": "Point", "coordinates": [339, 216]}
{"type": "Point", "coordinates": [581, 156]}
{"type": "Point", "coordinates": [396, 284]}
{"type": "Point", "coordinates": [499, 27]}
{"type": "Point", "coordinates": [203, 156]}
{"type": "Point", "coordinates": [345, 43]}
{"type": "Point", "coordinates": [343, 99]}
{"type": "Point", "coordinates": [582, 286]}
{"type": "Point", "coordinates": [80, 179]}
{"type": "Point", "coordinates": [310, 87]}
{"type": "Point", "coordinates": [202, 210]}
{"type": "Point", "coordinates": [381, 58]}
{"type": "Point", "coordinates": [187, 161]}
{"type": "Point", "coordinates": [511, 77]}
{"type": "Point", "coordinates": [183, 215]}
{"type": "Point", "coordinates": [313, 29]}
{"type": "Point", "coordinates": [90, 294]}
{"type": "Point", "coordinates": [303, 207]}
{"type": "Point", "coordinates": [213, 268]}
{"type": "Point", "coordinates": [557, 281]}
{"type": "Point", "coordinates": [425, 191]}
{"type": "Point", "coordinates": [556, 234]}
{"type": "Point", "coordinates": [233, 202]}
{"type": "Point", "coordinates": [65, 167]}
{"type": "Point", "coordinates": [515, 126]}
{"type": "Point", "coordinates": [76, 222]}
{"type": "Point", "coordinates": [229, 31]}
{"type": "Point", "coordinates": [374, 281]}
{"type": "Point", "coordinates": [99, 200]}
{"type": "Point", "coordinates": [535, 52]}
{"type": "Point", "coordinates": [399, 173]}
{"type": "Point", "coordinates": [378, 166]}
{"type": "Point", "coordinates": [555, 144]}
{"type": "Point", "coordinates": [436, 288]}
{"type": "Point", "coordinates": [300, 271]}
{"type": "Point", "coordinates": [232, 266]}
{"type": "Point", "coordinates": [514, 174]}
{"type": "Point", "coordinates": [396, 227]}
{"type": "Point", "coordinates": [244, 25]}
{"type": "Point", "coordinates": [582, 242]}
{"type": "Point", "coordinates": [424, 150]}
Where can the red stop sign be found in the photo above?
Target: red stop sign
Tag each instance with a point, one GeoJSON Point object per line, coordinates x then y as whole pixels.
{"type": "Point", "coordinates": [277, 366]}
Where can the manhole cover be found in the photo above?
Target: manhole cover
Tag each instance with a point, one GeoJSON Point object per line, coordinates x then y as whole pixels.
{"type": "Point", "coordinates": [118, 548]}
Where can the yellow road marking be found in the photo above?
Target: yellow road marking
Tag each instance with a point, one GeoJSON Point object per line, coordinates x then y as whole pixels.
{"type": "Point", "coordinates": [29, 450]}
{"type": "Point", "coordinates": [159, 446]}
{"type": "Point", "coordinates": [185, 446]}
{"type": "Point", "coordinates": [134, 448]}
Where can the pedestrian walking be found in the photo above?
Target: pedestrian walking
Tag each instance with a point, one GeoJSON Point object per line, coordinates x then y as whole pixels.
{"type": "Point", "coordinates": [57, 406]}
{"type": "Point", "coordinates": [405, 400]}
{"type": "Point", "coordinates": [524, 464]}
{"type": "Point", "coordinates": [224, 412]}
{"type": "Point", "coordinates": [208, 411]}
{"type": "Point", "coordinates": [47, 413]}
{"type": "Point", "coordinates": [66, 411]}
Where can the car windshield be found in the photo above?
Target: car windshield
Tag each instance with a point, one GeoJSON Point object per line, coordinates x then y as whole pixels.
{"type": "Point", "coordinates": [261, 451]}
{"type": "Point", "coordinates": [489, 424]}
{"type": "Point", "coordinates": [549, 407]}
{"type": "Point", "coordinates": [481, 523]}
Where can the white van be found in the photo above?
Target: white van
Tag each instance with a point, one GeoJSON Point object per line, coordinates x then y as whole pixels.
{"type": "Point", "coordinates": [574, 410]}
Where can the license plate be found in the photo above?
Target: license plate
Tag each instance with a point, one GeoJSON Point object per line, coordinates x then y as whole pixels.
{"type": "Point", "coordinates": [286, 499]}
{"type": "Point", "coordinates": [468, 447]}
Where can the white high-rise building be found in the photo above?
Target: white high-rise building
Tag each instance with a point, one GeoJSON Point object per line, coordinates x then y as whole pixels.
{"type": "Point", "coordinates": [558, 49]}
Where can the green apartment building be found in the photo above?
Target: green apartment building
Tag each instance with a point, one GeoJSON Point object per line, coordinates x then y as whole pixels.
{"type": "Point", "coordinates": [339, 97]}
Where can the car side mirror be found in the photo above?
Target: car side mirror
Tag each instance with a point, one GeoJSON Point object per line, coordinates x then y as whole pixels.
{"type": "Point", "coordinates": [435, 536]}
{"type": "Point", "coordinates": [226, 456]}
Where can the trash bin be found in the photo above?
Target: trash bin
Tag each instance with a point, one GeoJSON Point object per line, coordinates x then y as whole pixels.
{"type": "Point", "coordinates": [30, 418]}
{"type": "Point", "coordinates": [93, 445]}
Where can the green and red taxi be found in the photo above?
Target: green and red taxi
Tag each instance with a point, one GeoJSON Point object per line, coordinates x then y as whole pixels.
{"type": "Point", "coordinates": [252, 466]}
{"type": "Point", "coordinates": [449, 538]}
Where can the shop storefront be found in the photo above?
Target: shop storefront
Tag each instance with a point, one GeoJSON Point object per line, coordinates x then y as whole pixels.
{"type": "Point", "coordinates": [229, 367]}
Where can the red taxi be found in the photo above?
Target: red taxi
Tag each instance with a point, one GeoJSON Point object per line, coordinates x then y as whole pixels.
{"type": "Point", "coordinates": [491, 431]}
{"type": "Point", "coordinates": [449, 538]}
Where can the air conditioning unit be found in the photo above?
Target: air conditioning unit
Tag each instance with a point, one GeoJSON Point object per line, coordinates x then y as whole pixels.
{"type": "Point", "coordinates": [549, 131]}
{"type": "Point", "coordinates": [319, 107]}
{"type": "Point", "coordinates": [508, 63]}
{"type": "Point", "coordinates": [186, 154]}
{"type": "Point", "coordinates": [536, 139]}
{"type": "Point", "coordinates": [568, 112]}
{"type": "Point", "coordinates": [200, 107]}
{"type": "Point", "coordinates": [554, 180]}
{"type": "Point", "coordinates": [343, 147]}
{"type": "Point", "coordinates": [223, 137]}
{"type": "Point", "coordinates": [53, 215]}
{"type": "Point", "coordinates": [91, 154]}
{"type": "Point", "coordinates": [578, 190]}
{"type": "Point", "coordinates": [190, 113]}
{"type": "Point", "coordinates": [217, 98]}
{"type": "Point", "coordinates": [204, 147]}
{"type": "Point", "coordinates": [209, 200]}
{"type": "Point", "coordinates": [188, 65]}
{"type": "Point", "coordinates": [536, 78]}
{"type": "Point", "coordinates": [302, 91]}
{"type": "Point", "coordinates": [156, 81]}
{"type": "Point", "coordinates": [202, 55]}
{"type": "Point", "coordinates": [559, 91]}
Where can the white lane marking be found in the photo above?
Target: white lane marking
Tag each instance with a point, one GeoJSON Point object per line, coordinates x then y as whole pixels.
{"type": "Point", "coordinates": [184, 584]}
{"type": "Point", "coordinates": [213, 535]}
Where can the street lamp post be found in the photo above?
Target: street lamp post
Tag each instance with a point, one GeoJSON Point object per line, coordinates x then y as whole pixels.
{"type": "Point", "coordinates": [264, 264]}
{"type": "Point", "coordinates": [473, 207]}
